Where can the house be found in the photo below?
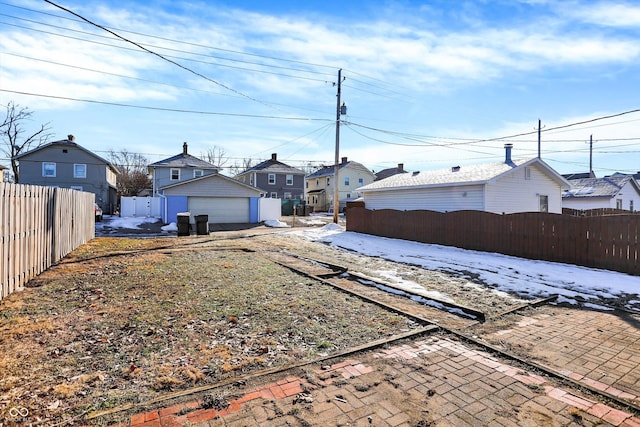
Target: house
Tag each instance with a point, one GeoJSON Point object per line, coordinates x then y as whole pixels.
{"type": "Point", "coordinates": [386, 173]}
{"type": "Point", "coordinates": [320, 190]}
{"type": "Point", "coordinates": [223, 199]}
{"type": "Point", "coordinates": [179, 168]}
{"type": "Point", "coordinates": [502, 187]}
{"type": "Point", "coordinates": [275, 179]}
{"type": "Point", "coordinates": [67, 164]}
{"type": "Point", "coordinates": [617, 191]}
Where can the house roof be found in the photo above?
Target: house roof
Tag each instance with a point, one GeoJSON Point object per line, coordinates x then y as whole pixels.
{"type": "Point", "coordinates": [459, 175]}
{"type": "Point", "coordinates": [579, 175]}
{"type": "Point", "coordinates": [608, 186]}
{"type": "Point", "coordinates": [386, 173]}
{"type": "Point", "coordinates": [183, 160]}
{"type": "Point", "coordinates": [69, 143]}
{"type": "Point", "coordinates": [330, 170]}
{"type": "Point", "coordinates": [213, 176]}
{"type": "Point", "coordinates": [275, 166]}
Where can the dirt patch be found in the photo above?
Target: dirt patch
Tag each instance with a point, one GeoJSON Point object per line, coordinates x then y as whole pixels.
{"type": "Point", "coordinates": [124, 329]}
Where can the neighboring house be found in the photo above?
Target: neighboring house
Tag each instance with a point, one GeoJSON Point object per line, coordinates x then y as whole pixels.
{"type": "Point", "coordinates": [386, 173]}
{"type": "Point", "coordinates": [505, 187]}
{"type": "Point", "coordinates": [320, 190]}
{"type": "Point", "coordinates": [617, 191]}
{"type": "Point", "coordinates": [223, 199]}
{"type": "Point", "coordinates": [179, 168]}
{"type": "Point", "coordinates": [4, 174]}
{"type": "Point", "coordinates": [275, 179]}
{"type": "Point", "coordinates": [66, 164]}
{"type": "Point", "coordinates": [579, 175]}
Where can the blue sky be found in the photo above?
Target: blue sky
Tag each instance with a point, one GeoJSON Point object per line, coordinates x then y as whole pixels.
{"type": "Point", "coordinates": [427, 84]}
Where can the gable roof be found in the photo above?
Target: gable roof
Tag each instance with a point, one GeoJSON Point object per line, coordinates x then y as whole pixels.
{"type": "Point", "coordinates": [275, 166]}
{"type": "Point", "coordinates": [183, 160]}
{"type": "Point", "coordinates": [608, 187]}
{"type": "Point", "coordinates": [460, 175]}
{"type": "Point", "coordinates": [386, 173]}
{"type": "Point", "coordinates": [330, 170]}
{"type": "Point", "coordinates": [69, 143]}
{"type": "Point", "coordinates": [211, 177]}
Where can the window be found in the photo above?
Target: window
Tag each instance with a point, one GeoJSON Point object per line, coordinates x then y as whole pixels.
{"type": "Point", "coordinates": [317, 182]}
{"type": "Point", "coordinates": [79, 170]}
{"type": "Point", "coordinates": [197, 173]}
{"type": "Point", "coordinates": [346, 181]}
{"type": "Point", "coordinates": [328, 181]}
{"type": "Point", "coordinates": [49, 170]}
{"type": "Point", "coordinates": [274, 195]}
{"type": "Point", "coordinates": [527, 173]}
{"type": "Point", "coordinates": [544, 203]}
{"type": "Point", "coordinates": [289, 179]}
{"type": "Point", "coordinates": [360, 181]}
{"type": "Point", "coordinates": [348, 195]}
{"type": "Point", "coordinates": [272, 178]}
{"type": "Point", "coordinates": [618, 203]}
{"type": "Point", "coordinates": [175, 174]}
{"type": "Point", "coordinates": [631, 205]}
{"type": "Point", "coordinates": [287, 196]}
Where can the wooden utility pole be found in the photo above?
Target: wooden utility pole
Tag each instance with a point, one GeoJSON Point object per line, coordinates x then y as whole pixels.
{"type": "Point", "coordinates": [590, 156]}
{"type": "Point", "coordinates": [336, 193]}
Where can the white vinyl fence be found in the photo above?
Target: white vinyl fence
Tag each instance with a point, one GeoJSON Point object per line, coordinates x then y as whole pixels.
{"type": "Point", "coordinates": [38, 226]}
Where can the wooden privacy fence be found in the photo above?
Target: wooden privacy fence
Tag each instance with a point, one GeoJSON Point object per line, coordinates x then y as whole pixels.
{"type": "Point", "coordinates": [39, 226]}
{"type": "Point", "coordinates": [608, 242]}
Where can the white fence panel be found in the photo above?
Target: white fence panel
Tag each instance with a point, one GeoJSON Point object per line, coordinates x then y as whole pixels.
{"type": "Point", "coordinates": [140, 206]}
{"type": "Point", "coordinates": [269, 208]}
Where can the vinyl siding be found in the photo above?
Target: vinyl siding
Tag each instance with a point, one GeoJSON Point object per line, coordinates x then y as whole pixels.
{"type": "Point", "coordinates": [628, 193]}
{"type": "Point", "coordinates": [513, 193]}
{"type": "Point", "coordinates": [440, 199]}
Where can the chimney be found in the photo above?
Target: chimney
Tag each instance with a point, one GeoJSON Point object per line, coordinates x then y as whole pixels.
{"type": "Point", "coordinates": [184, 148]}
{"type": "Point", "coordinates": [71, 138]}
{"type": "Point", "coordinates": [507, 154]}
{"type": "Point", "coordinates": [400, 167]}
{"type": "Point", "coordinates": [344, 160]}
{"type": "Point", "coordinates": [274, 156]}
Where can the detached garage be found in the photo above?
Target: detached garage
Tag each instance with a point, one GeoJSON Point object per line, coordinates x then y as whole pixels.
{"type": "Point", "coordinates": [222, 199]}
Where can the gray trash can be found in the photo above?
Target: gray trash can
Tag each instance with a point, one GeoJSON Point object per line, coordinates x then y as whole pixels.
{"type": "Point", "coordinates": [202, 224]}
{"type": "Point", "coordinates": [183, 224]}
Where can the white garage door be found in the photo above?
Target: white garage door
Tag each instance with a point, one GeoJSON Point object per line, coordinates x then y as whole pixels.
{"type": "Point", "coordinates": [221, 209]}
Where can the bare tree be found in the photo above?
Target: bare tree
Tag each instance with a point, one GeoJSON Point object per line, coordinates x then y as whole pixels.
{"type": "Point", "coordinates": [217, 156]}
{"type": "Point", "coordinates": [237, 168]}
{"type": "Point", "coordinates": [133, 172]}
{"type": "Point", "coordinates": [12, 135]}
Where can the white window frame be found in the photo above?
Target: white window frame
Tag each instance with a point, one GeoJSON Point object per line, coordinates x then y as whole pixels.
{"type": "Point", "coordinates": [346, 181]}
{"type": "Point", "coordinates": [618, 203]}
{"type": "Point", "coordinates": [527, 173]}
{"type": "Point", "coordinates": [274, 195]}
{"type": "Point", "coordinates": [49, 166]}
{"type": "Point", "coordinates": [171, 171]}
{"type": "Point", "coordinates": [289, 179]}
{"type": "Point", "coordinates": [197, 173]}
{"type": "Point", "coordinates": [271, 179]}
{"type": "Point", "coordinates": [75, 170]}
{"type": "Point", "coordinates": [360, 181]}
{"type": "Point", "coordinates": [287, 196]}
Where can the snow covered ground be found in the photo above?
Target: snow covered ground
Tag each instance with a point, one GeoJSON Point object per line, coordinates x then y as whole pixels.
{"type": "Point", "coordinates": [526, 278]}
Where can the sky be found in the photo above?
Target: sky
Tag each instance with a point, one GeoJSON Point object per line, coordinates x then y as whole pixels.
{"type": "Point", "coordinates": [428, 84]}
{"type": "Point", "coordinates": [523, 278]}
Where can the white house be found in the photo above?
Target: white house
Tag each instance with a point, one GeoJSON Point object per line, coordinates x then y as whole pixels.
{"type": "Point", "coordinates": [502, 187]}
{"type": "Point", "coordinates": [616, 191]}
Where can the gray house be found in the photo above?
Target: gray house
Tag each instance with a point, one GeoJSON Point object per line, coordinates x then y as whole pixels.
{"type": "Point", "coordinates": [179, 168]}
{"type": "Point", "coordinates": [66, 164]}
{"type": "Point", "coordinates": [275, 179]}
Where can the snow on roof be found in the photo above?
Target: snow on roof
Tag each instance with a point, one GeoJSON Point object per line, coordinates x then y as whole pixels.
{"type": "Point", "coordinates": [472, 174]}
{"type": "Point", "coordinates": [608, 186]}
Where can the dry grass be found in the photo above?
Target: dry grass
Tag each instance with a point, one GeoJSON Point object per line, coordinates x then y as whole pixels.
{"type": "Point", "coordinates": [99, 330]}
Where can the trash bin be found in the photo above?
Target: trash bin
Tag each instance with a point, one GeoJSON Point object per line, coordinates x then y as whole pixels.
{"type": "Point", "coordinates": [183, 223]}
{"type": "Point", "coordinates": [202, 224]}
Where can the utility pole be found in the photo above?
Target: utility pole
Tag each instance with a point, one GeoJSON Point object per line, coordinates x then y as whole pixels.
{"type": "Point", "coordinates": [336, 193]}
{"type": "Point", "coordinates": [590, 156]}
{"type": "Point", "coordinates": [539, 139]}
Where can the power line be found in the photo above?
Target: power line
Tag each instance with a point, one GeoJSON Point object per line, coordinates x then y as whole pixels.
{"type": "Point", "coordinates": [159, 55]}
{"type": "Point", "coordinates": [174, 110]}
